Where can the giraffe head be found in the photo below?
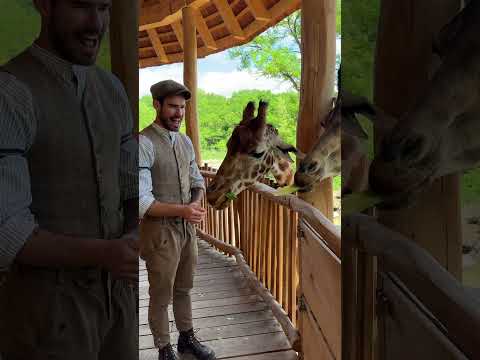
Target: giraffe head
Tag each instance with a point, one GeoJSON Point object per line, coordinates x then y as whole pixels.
{"type": "Point", "coordinates": [323, 161]}
{"type": "Point", "coordinates": [253, 150]}
{"type": "Point", "coordinates": [437, 135]}
{"type": "Point", "coordinates": [339, 148]}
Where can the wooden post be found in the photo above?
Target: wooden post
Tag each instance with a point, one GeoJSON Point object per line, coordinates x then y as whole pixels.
{"type": "Point", "coordinates": [316, 93]}
{"type": "Point", "coordinates": [317, 86]}
{"type": "Point", "coordinates": [401, 75]}
{"type": "Point", "coordinates": [124, 49]}
{"type": "Point", "coordinates": [190, 76]}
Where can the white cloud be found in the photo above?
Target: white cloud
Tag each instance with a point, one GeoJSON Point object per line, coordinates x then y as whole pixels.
{"type": "Point", "coordinates": [222, 83]}
{"type": "Point", "coordinates": [149, 76]}
{"type": "Point", "coordinates": [225, 83]}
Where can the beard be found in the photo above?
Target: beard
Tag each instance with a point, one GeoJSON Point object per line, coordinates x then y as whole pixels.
{"type": "Point", "coordinates": [171, 123]}
{"type": "Point", "coordinates": [70, 45]}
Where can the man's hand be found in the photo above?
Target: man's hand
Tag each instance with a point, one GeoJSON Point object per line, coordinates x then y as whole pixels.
{"type": "Point", "coordinates": [193, 213]}
{"type": "Point", "coordinates": [121, 257]}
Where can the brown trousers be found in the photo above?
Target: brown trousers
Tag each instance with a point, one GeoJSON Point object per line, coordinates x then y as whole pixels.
{"type": "Point", "coordinates": [169, 248]}
{"type": "Point", "coordinates": [56, 314]}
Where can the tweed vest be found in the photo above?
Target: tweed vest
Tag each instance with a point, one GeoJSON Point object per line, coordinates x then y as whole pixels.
{"type": "Point", "coordinates": [171, 167]}
{"type": "Point", "coordinates": [74, 159]}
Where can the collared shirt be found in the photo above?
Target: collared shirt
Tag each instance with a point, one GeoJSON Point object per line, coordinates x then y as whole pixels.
{"type": "Point", "coordinates": [17, 134]}
{"type": "Point", "coordinates": [146, 159]}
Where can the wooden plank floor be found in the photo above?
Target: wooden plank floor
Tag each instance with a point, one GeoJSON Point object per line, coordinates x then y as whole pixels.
{"type": "Point", "coordinates": [227, 313]}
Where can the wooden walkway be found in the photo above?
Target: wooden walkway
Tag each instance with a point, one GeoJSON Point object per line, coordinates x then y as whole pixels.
{"type": "Point", "coordinates": [227, 313]}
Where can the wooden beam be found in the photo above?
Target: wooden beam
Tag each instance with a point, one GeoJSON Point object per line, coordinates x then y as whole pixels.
{"type": "Point", "coordinates": [229, 18]}
{"type": "Point", "coordinates": [157, 45]}
{"type": "Point", "coordinates": [317, 87]}
{"type": "Point", "coordinates": [259, 10]}
{"type": "Point", "coordinates": [204, 32]}
{"type": "Point", "coordinates": [190, 78]}
{"type": "Point", "coordinates": [124, 49]}
{"type": "Point", "coordinates": [178, 30]}
{"type": "Point", "coordinates": [157, 15]}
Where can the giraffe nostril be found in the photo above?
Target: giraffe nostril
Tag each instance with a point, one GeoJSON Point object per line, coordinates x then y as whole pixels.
{"type": "Point", "coordinates": [412, 148]}
{"type": "Point", "coordinates": [312, 167]}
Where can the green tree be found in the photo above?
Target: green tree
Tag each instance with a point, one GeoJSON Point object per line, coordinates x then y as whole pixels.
{"type": "Point", "coordinates": [219, 115]}
{"type": "Point", "coordinates": [274, 54]}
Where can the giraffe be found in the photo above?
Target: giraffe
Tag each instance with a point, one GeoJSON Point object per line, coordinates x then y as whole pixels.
{"type": "Point", "coordinates": [339, 148]}
{"type": "Point", "coordinates": [253, 150]}
{"type": "Point", "coordinates": [439, 134]}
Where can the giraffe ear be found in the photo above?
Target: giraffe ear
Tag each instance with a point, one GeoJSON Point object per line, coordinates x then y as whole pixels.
{"type": "Point", "coordinates": [351, 126]}
{"type": "Point", "coordinates": [248, 113]}
{"type": "Point", "coordinates": [334, 115]}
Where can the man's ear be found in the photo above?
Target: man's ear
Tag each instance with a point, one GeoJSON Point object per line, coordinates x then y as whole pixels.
{"type": "Point", "coordinates": [44, 7]}
{"type": "Point", "coordinates": [157, 105]}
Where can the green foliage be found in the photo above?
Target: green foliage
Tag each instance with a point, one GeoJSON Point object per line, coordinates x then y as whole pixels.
{"type": "Point", "coordinates": [219, 115]}
{"type": "Point", "coordinates": [471, 186]}
{"type": "Point", "coordinates": [21, 25]}
{"type": "Point", "coordinates": [274, 54]}
{"type": "Point", "coordinates": [359, 33]}
{"type": "Point", "coordinates": [338, 17]}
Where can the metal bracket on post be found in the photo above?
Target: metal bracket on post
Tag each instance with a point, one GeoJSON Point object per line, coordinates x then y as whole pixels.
{"type": "Point", "coordinates": [302, 303]}
{"type": "Point", "coordinates": [383, 304]}
{"type": "Point", "coordinates": [300, 233]}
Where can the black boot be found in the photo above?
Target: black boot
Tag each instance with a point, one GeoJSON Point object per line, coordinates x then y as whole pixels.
{"type": "Point", "coordinates": [188, 343]}
{"type": "Point", "coordinates": [167, 353]}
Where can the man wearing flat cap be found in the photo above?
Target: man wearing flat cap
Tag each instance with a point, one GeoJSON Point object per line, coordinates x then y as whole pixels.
{"type": "Point", "coordinates": [171, 188]}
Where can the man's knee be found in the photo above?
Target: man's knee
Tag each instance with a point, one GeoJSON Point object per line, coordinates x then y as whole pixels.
{"type": "Point", "coordinates": [181, 291]}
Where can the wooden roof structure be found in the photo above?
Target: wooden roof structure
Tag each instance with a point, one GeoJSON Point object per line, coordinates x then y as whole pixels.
{"type": "Point", "coordinates": [221, 24]}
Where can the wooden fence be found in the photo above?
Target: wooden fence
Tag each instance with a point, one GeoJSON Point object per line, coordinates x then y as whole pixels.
{"type": "Point", "coordinates": [282, 260]}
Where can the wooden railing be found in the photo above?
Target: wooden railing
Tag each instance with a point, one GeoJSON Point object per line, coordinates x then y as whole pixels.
{"type": "Point", "coordinates": [261, 231]}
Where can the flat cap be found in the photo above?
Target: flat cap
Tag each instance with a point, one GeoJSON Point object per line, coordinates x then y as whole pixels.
{"type": "Point", "coordinates": [166, 88]}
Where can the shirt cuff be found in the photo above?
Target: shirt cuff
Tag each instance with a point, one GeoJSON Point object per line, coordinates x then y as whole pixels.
{"type": "Point", "coordinates": [198, 184]}
{"type": "Point", "coordinates": [13, 235]}
{"type": "Point", "coordinates": [144, 203]}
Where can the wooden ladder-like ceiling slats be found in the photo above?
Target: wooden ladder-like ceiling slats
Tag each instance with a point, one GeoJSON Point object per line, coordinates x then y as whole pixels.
{"type": "Point", "coordinates": [258, 9]}
{"type": "Point", "coordinates": [204, 32]}
{"type": "Point", "coordinates": [229, 19]}
{"type": "Point", "coordinates": [221, 24]}
{"type": "Point", "coordinates": [157, 45]}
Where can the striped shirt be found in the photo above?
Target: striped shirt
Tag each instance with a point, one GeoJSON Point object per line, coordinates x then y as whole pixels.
{"type": "Point", "coordinates": [146, 158]}
{"type": "Point", "coordinates": [17, 134]}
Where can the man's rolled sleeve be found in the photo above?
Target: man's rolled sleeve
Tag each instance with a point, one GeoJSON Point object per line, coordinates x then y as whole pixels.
{"type": "Point", "coordinates": [17, 129]}
{"type": "Point", "coordinates": [146, 156]}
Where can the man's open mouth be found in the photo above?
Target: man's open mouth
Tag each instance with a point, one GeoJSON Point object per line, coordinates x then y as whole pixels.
{"type": "Point", "coordinates": [90, 42]}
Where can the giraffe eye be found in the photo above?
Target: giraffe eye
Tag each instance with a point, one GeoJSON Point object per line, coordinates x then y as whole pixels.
{"type": "Point", "coordinates": [257, 155]}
